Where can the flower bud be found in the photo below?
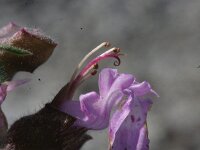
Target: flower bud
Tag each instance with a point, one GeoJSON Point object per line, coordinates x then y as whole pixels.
{"type": "Point", "coordinates": [31, 40]}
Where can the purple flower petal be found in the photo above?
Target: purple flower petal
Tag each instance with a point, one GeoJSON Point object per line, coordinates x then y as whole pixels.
{"type": "Point", "coordinates": [142, 88]}
{"type": "Point", "coordinates": [110, 81]}
{"type": "Point", "coordinates": [122, 82]}
{"type": "Point", "coordinates": [9, 86]}
{"type": "Point", "coordinates": [106, 79]}
{"type": "Point", "coordinates": [118, 118]}
{"type": "Point", "coordinates": [92, 111]}
{"type": "Point", "coordinates": [143, 141]}
{"type": "Point", "coordinates": [126, 123]}
{"type": "Point", "coordinates": [13, 84]}
{"type": "Point", "coordinates": [9, 30]}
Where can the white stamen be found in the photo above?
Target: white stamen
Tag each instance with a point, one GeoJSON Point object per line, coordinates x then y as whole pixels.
{"type": "Point", "coordinates": [109, 51]}
{"type": "Point", "coordinates": [82, 74]}
{"type": "Point", "coordinates": [104, 44]}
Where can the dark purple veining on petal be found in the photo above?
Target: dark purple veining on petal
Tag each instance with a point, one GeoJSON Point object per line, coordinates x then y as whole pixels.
{"type": "Point", "coordinates": [132, 118]}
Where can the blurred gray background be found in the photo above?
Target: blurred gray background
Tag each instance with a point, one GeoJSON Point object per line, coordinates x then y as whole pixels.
{"type": "Point", "coordinates": [161, 38]}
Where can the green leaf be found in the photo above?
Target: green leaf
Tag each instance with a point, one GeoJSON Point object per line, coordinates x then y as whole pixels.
{"type": "Point", "coordinates": [14, 50]}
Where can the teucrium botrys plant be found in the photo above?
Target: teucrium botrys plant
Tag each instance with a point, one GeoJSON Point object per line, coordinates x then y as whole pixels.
{"type": "Point", "coordinates": [121, 104]}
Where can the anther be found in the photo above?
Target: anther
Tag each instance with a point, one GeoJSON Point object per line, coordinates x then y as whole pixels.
{"type": "Point", "coordinates": [96, 66]}
{"type": "Point", "coordinates": [117, 50]}
{"type": "Point", "coordinates": [94, 72]}
{"type": "Point", "coordinates": [107, 44]}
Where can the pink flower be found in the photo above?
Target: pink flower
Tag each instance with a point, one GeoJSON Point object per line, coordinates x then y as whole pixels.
{"type": "Point", "coordinates": [9, 86]}
{"type": "Point", "coordinates": [4, 88]}
{"type": "Point", "coordinates": [121, 105]}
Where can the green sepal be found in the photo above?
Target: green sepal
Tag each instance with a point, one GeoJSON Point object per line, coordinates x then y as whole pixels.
{"type": "Point", "coordinates": [14, 50]}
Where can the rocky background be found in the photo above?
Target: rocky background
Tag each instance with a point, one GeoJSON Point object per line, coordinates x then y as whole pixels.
{"type": "Point", "coordinates": [161, 38]}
